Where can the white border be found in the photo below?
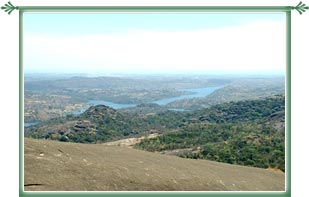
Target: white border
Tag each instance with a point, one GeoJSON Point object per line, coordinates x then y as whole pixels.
{"type": "Point", "coordinates": [9, 83]}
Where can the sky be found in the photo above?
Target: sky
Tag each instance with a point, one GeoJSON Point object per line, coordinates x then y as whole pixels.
{"type": "Point", "coordinates": [134, 43]}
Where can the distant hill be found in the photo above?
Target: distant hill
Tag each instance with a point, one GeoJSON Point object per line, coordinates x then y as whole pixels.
{"type": "Point", "coordinates": [101, 123]}
{"type": "Point", "coordinates": [58, 166]}
{"type": "Point", "coordinates": [239, 90]}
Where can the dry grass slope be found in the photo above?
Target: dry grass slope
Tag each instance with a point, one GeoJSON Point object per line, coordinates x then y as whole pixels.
{"type": "Point", "coordinates": [59, 166]}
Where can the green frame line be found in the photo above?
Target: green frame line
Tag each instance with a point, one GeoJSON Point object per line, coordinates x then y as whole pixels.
{"type": "Point", "coordinates": [155, 8]}
{"type": "Point", "coordinates": [170, 9]}
{"type": "Point", "coordinates": [300, 8]}
{"type": "Point", "coordinates": [21, 104]}
{"type": "Point", "coordinates": [288, 102]}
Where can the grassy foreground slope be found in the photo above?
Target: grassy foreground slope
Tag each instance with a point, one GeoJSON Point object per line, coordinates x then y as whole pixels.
{"type": "Point", "coordinates": [58, 166]}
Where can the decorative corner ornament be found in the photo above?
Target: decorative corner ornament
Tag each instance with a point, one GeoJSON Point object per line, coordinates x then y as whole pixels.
{"type": "Point", "coordinates": [300, 8]}
{"type": "Point", "coordinates": [9, 7]}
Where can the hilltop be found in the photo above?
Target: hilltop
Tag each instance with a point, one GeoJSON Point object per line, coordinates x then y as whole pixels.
{"type": "Point", "coordinates": [58, 166]}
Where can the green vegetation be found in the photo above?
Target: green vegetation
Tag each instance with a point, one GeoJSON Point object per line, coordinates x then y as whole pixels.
{"type": "Point", "coordinates": [244, 111]}
{"type": "Point", "coordinates": [248, 144]}
{"type": "Point", "coordinates": [101, 124]}
{"type": "Point", "coordinates": [246, 132]}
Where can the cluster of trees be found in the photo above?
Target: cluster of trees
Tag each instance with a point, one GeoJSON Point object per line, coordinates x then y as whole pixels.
{"type": "Point", "coordinates": [244, 111]}
{"type": "Point", "coordinates": [255, 145]}
{"type": "Point", "coordinates": [106, 124]}
{"type": "Point", "coordinates": [245, 133]}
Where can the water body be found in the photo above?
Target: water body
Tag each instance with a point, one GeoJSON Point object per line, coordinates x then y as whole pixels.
{"type": "Point", "coordinates": [196, 93]}
{"type": "Point", "coordinates": [176, 109]}
{"type": "Point", "coordinates": [110, 104]}
{"type": "Point", "coordinates": [28, 124]}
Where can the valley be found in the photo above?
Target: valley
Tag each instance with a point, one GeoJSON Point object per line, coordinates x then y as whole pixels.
{"type": "Point", "coordinates": [54, 97]}
{"type": "Point", "coordinates": [236, 122]}
{"type": "Point", "coordinates": [44, 99]}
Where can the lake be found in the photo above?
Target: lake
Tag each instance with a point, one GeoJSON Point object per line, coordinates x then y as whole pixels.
{"type": "Point", "coordinates": [196, 93]}
{"type": "Point", "coordinates": [28, 124]}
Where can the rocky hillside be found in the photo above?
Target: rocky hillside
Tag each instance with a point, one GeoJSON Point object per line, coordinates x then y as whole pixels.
{"type": "Point", "coordinates": [58, 166]}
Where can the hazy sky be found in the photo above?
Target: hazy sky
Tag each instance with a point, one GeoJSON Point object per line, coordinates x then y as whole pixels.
{"type": "Point", "coordinates": [154, 43]}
